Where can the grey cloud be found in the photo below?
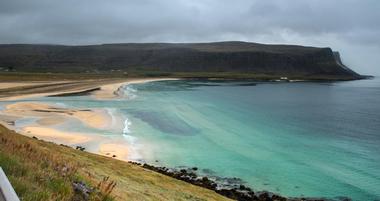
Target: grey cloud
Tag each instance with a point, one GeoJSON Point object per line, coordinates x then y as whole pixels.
{"type": "Point", "coordinates": [345, 24]}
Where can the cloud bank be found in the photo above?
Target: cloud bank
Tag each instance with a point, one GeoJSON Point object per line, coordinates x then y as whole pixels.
{"type": "Point", "coordinates": [349, 26]}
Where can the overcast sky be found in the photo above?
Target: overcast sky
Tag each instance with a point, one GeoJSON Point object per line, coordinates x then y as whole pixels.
{"type": "Point", "coordinates": [351, 27]}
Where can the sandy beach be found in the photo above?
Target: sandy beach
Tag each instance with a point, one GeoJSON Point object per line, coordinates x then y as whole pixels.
{"type": "Point", "coordinates": [50, 115]}
{"type": "Point", "coordinates": [110, 91]}
{"type": "Point", "coordinates": [98, 88]}
{"type": "Point", "coordinates": [54, 135]}
{"type": "Point", "coordinates": [7, 85]}
{"type": "Point", "coordinates": [115, 150]}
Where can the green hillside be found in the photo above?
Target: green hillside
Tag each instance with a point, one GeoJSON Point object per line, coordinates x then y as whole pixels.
{"type": "Point", "coordinates": [41, 170]}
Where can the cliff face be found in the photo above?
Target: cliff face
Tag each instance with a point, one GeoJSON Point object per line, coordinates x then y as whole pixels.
{"type": "Point", "coordinates": [283, 60]}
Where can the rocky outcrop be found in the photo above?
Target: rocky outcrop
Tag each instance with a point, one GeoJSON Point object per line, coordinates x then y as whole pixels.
{"type": "Point", "coordinates": [229, 187]}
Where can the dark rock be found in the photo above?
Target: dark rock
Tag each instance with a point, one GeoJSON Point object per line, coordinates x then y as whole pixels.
{"type": "Point", "coordinates": [63, 145]}
{"type": "Point", "coordinates": [81, 189]}
{"type": "Point", "coordinates": [242, 187]}
{"type": "Point", "coordinates": [278, 198]}
{"type": "Point", "coordinates": [230, 187]}
{"type": "Point", "coordinates": [341, 198]}
{"type": "Point", "coordinates": [80, 148]}
{"type": "Point", "coordinates": [264, 197]}
{"type": "Point", "coordinates": [183, 171]}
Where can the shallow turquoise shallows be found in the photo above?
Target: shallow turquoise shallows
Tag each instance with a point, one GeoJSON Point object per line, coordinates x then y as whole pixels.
{"type": "Point", "coordinates": [295, 139]}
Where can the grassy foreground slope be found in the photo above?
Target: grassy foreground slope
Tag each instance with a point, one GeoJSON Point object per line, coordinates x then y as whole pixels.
{"type": "Point", "coordinates": [40, 170]}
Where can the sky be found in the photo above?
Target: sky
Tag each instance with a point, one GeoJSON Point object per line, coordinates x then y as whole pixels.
{"type": "Point", "coordinates": [351, 27]}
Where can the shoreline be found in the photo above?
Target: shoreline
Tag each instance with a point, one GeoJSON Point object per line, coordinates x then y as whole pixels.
{"type": "Point", "coordinates": [47, 116]}
{"type": "Point", "coordinates": [234, 191]}
{"type": "Point", "coordinates": [111, 91]}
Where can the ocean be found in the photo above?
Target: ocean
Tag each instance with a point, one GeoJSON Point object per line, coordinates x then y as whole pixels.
{"type": "Point", "coordinates": [295, 138]}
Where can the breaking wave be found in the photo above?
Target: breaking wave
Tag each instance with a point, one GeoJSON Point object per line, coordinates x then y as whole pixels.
{"type": "Point", "coordinates": [127, 91]}
{"type": "Point", "coordinates": [127, 125]}
{"type": "Point", "coordinates": [132, 141]}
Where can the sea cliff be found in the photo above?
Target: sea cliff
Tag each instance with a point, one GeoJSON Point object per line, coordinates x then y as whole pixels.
{"type": "Point", "coordinates": [195, 58]}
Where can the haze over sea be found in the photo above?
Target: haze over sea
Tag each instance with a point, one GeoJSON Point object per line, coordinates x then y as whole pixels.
{"type": "Point", "coordinates": [295, 139]}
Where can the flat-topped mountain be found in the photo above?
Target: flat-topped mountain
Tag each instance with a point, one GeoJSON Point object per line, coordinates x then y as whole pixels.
{"type": "Point", "coordinates": [221, 57]}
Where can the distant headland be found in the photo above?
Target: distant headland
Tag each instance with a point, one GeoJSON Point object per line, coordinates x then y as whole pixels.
{"type": "Point", "coordinates": [193, 60]}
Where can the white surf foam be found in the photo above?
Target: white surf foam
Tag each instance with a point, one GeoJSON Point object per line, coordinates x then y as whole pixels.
{"type": "Point", "coordinates": [127, 91]}
{"type": "Point", "coordinates": [60, 104]}
{"type": "Point", "coordinates": [134, 146]}
{"type": "Point", "coordinates": [127, 125]}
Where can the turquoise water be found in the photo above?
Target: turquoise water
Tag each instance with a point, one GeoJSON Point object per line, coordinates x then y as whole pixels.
{"type": "Point", "coordinates": [295, 139]}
